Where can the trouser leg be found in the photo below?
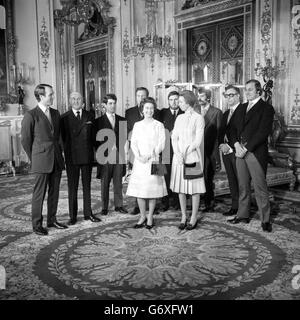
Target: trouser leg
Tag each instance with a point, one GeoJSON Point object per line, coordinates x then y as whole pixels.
{"type": "Point", "coordinates": [244, 180]}
{"type": "Point", "coordinates": [86, 176]}
{"type": "Point", "coordinates": [208, 177]}
{"type": "Point", "coordinates": [117, 181]}
{"type": "Point", "coordinates": [53, 196]}
{"type": "Point", "coordinates": [260, 187]}
{"type": "Point", "coordinates": [38, 197]}
{"type": "Point", "coordinates": [230, 167]}
{"type": "Point", "coordinates": [73, 180]}
{"type": "Point", "coordinates": [106, 175]}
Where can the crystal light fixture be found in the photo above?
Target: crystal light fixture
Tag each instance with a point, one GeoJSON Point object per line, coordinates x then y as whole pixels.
{"type": "Point", "coordinates": [151, 43]}
{"type": "Point", "coordinates": [272, 65]}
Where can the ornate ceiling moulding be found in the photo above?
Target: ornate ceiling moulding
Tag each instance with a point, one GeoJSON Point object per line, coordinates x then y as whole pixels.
{"type": "Point", "coordinates": [211, 7]}
{"type": "Point", "coordinates": [94, 14]}
{"type": "Point", "coordinates": [195, 3]}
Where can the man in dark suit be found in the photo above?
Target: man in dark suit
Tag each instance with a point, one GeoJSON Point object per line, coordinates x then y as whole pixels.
{"type": "Point", "coordinates": [135, 114]}
{"type": "Point", "coordinates": [132, 116]}
{"type": "Point", "coordinates": [212, 162]}
{"type": "Point", "coordinates": [254, 124]}
{"type": "Point", "coordinates": [168, 117]}
{"type": "Point", "coordinates": [232, 95]}
{"type": "Point", "coordinates": [111, 138]}
{"type": "Point", "coordinates": [40, 139]}
{"type": "Point", "coordinates": [77, 136]}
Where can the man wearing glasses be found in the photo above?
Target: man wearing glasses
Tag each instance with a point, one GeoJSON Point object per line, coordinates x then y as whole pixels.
{"type": "Point", "coordinates": [232, 96]}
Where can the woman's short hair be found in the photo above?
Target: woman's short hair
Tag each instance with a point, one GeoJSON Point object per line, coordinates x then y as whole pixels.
{"type": "Point", "coordinates": [189, 97]}
{"type": "Point", "coordinates": [148, 100]}
{"type": "Point", "coordinates": [40, 90]}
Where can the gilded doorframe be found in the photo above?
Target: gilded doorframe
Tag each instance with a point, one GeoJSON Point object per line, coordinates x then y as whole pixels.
{"type": "Point", "coordinates": [210, 13]}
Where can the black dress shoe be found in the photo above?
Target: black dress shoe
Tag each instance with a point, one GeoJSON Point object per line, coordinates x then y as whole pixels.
{"type": "Point", "coordinates": [176, 207]}
{"type": "Point", "coordinates": [92, 218]}
{"type": "Point", "coordinates": [121, 210]}
{"type": "Point", "coordinates": [149, 226]}
{"type": "Point", "coordinates": [266, 226]}
{"type": "Point", "coordinates": [57, 225]}
{"type": "Point", "coordinates": [208, 209]}
{"type": "Point", "coordinates": [40, 231]}
{"type": "Point", "coordinates": [140, 225]}
{"type": "Point", "coordinates": [165, 208]}
{"type": "Point", "coordinates": [156, 211]}
{"type": "Point", "coordinates": [236, 220]}
{"type": "Point", "coordinates": [135, 211]}
{"type": "Point", "coordinates": [190, 226]}
{"type": "Point", "coordinates": [182, 226]}
{"type": "Point", "coordinates": [71, 222]}
{"type": "Point", "coordinates": [104, 212]}
{"type": "Point", "coordinates": [231, 212]}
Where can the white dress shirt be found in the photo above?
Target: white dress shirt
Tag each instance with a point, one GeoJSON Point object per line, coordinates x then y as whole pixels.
{"type": "Point", "coordinates": [252, 103]}
{"type": "Point", "coordinates": [112, 119]}
{"type": "Point", "coordinates": [46, 111]}
{"type": "Point", "coordinates": [75, 112]}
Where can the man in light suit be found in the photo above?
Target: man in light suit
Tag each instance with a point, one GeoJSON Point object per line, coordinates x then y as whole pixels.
{"type": "Point", "coordinates": [254, 122]}
{"type": "Point", "coordinates": [167, 117]}
{"type": "Point", "coordinates": [77, 135]}
{"type": "Point", "coordinates": [232, 95]}
{"type": "Point", "coordinates": [212, 162]}
{"type": "Point", "coordinates": [40, 139]}
{"type": "Point", "coordinates": [115, 167]}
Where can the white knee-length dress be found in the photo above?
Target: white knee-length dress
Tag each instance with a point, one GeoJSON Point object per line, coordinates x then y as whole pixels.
{"type": "Point", "coordinates": [188, 132]}
{"type": "Point", "coordinates": [148, 138]}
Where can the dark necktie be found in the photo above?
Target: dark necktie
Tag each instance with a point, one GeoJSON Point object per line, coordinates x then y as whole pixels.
{"type": "Point", "coordinates": [78, 115]}
{"type": "Point", "coordinates": [174, 116]}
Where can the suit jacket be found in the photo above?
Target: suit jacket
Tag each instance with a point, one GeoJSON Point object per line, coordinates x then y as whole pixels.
{"type": "Point", "coordinates": [166, 117]}
{"type": "Point", "coordinates": [133, 115]}
{"type": "Point", "coordinates": [227, 128]}
{"type": "Point", "coordinates": [253, 129]}
{"type": "Point", "coordinates": [213, 118]}
{"type": "Point", "coordinates": [120, 134]}
{"type": "Point", "coordinates": [41, 140]}
{"type": "Point", "coordinates": [78, 138]}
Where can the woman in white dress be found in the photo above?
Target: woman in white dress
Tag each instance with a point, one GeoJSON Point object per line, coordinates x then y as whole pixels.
{"type": "Point", "coordinates": [147, 142]}
{"type": "Point", "coordinates": [188, 145]}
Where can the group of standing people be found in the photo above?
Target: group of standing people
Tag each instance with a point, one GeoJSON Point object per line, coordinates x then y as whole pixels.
{"type": "Point", "coordinates": [189, 131]}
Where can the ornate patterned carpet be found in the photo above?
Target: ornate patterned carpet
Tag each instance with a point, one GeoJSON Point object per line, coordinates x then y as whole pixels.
{"type": "Point", "coordinates": [111, 260]}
